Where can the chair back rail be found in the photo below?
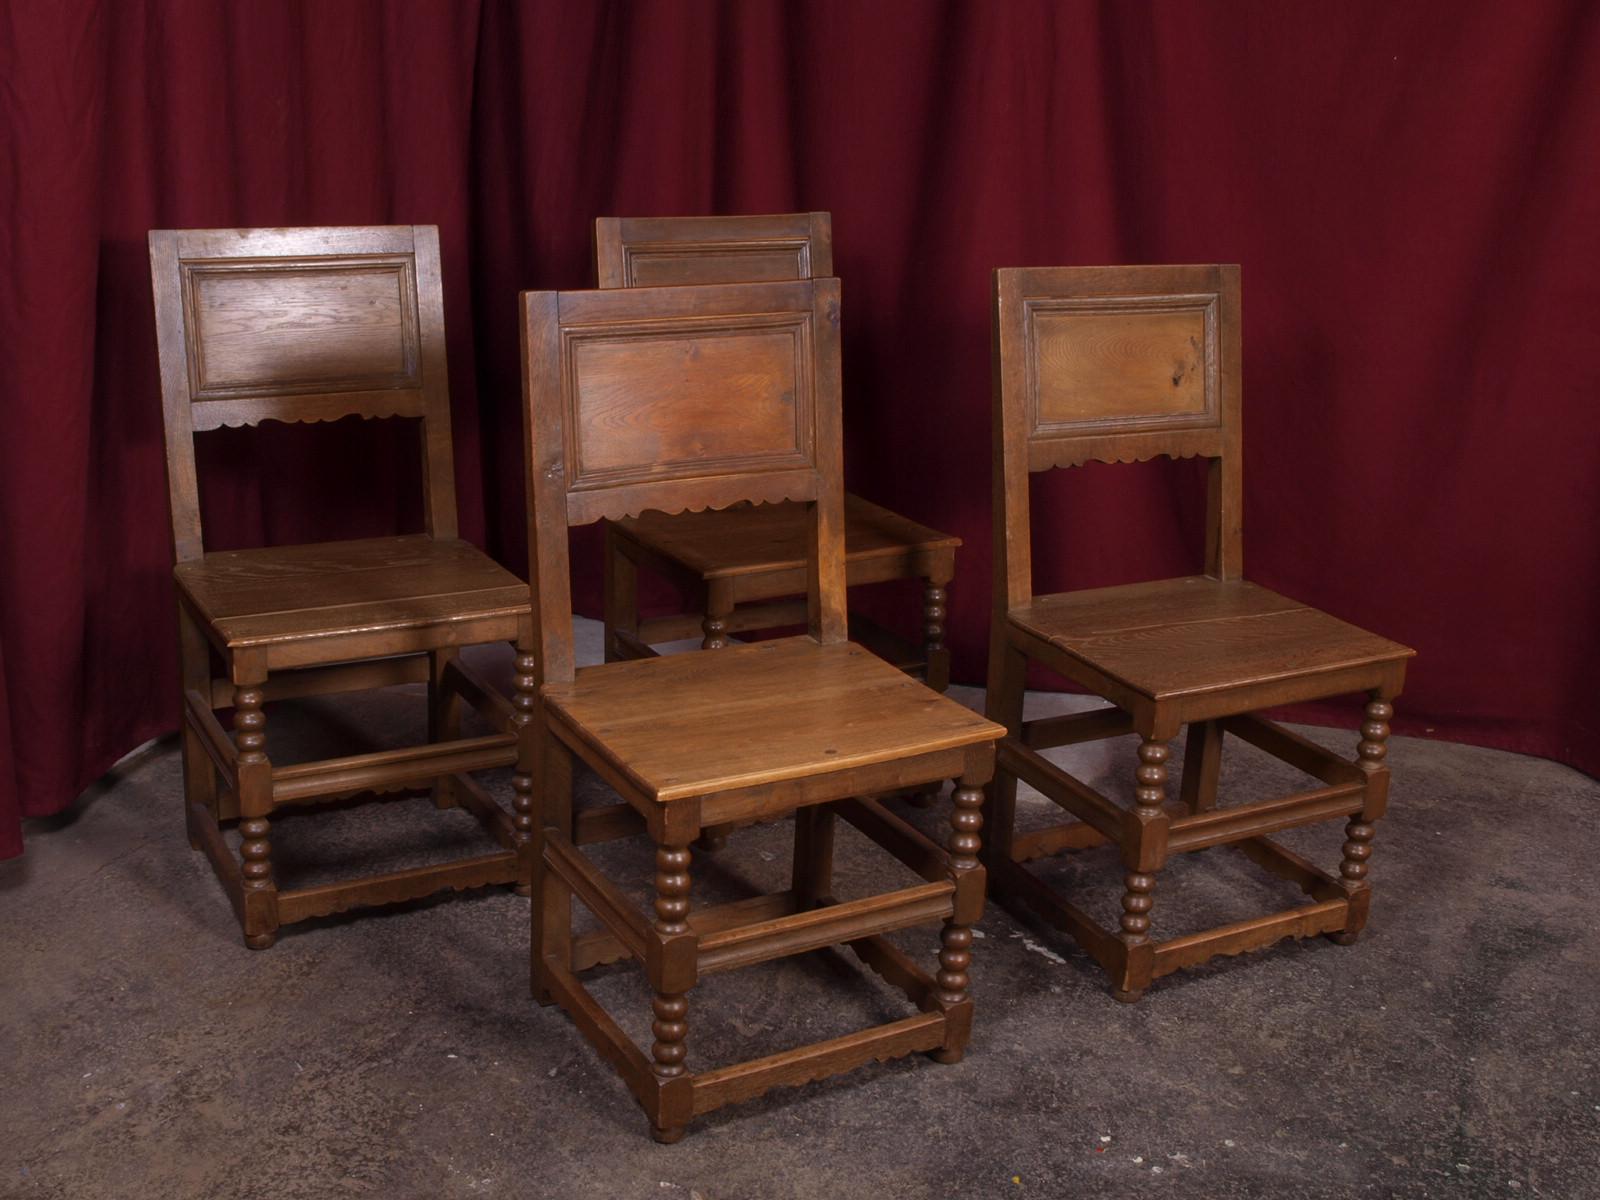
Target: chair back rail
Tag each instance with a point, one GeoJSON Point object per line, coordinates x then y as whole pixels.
{"type": "Point", "coordinates": [1114, 364]}
{"type": "Point", "coordinates": [309, 324]}
{"type": "Point", "coordinates": [658, 251]}
{"type": "Point", "coordinates": [680, 398]}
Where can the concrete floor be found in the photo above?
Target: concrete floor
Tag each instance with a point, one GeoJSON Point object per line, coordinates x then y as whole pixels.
{"type": "Point", "coordinates": [1452, 1052]}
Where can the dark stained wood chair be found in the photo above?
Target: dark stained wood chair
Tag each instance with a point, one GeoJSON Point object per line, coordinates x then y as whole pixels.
{"type": "Point", "coordinates": [312, 325]}
{"type": "Point", "coordinates": [744, 564]}
{"type": "Point", "coordinates": [1119, 364]}
{"type": "Point", "coordinates": [627, 394]}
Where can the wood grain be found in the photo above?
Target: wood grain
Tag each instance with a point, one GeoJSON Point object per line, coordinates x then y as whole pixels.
{"type": "Point", "coordinates": [782, 709]}
{"type": "Point", "coordinates": [647, 407]}
{"type": "Point", "coordinates": [1092, 366]}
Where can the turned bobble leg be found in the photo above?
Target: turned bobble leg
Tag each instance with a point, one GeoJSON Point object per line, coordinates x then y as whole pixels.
{"type": "Point", "coordinates": [955, 950]}
{"type": "Point", "coordinates": [255, 832]}
{"type": "Point", "coordinates": [935, 607]}
{"type": "Point", "coordinates": [525, 710]}
{"type": "Point", "coordinates": [672, 918]}
{"type": "Point", "coordinates": [715, 629]}
{"type": "Point", "coordinates": [1149, 796]}
{"type": "Point", "coordinates": [1359, 832]}
{"type": "Point", "coordinates": [255, 869]}
{"type": "Point", "coordinates": [937, 673]}
{"type": "Point", "coordinates": [1373, 747]}
{"type": "Point", "coordinates": [670, 1009]}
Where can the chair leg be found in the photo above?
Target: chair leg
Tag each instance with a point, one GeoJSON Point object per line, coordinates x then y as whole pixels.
{"type": "Point", "coordinates": [1202, 764]}
{"type": "Point", "coordinates": [1149, 813]}
{"type": "Point", "coordinates": [936, 674]}
{"type": "Point", "coordinates": [719, 607]}
{"type": "Point", "coordinates": [955, 940]}
{"type": "Point", "coordinates": [444, 720]}
{"type": "Point", "coordinates": [813, 854]}
{"type": "Point", "coordinates": [935, 602]}
{"type": "Point", "coordinates": [621, 595]}
{"type": "Point", "coordinates": [1008, 675]}
{"type": "Point", "coordinates": [551, 912]}
{"type": "Point", "coordinates": [1359, 831]}
{"type": "Point", "coordinates": [525, 701]}
{"type": "Point", "coordinates": [670, 1005]}
{"type": "Point", "coordinates": [199, 773]}
{"type": "Point", "coordinates": [260, 907]}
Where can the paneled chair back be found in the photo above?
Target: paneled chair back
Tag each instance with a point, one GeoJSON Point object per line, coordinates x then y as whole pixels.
{"type": "Point", "coordinates": [673, 399]}
{"type": "Point", "coordinates": [317, 324]}
{"type": "Point", "coordinates": [1115, 364]}
{"type": "Point", "coordinates": [1120, 364]}
{"type": "Point", "coordinates": [676, 399]}
{"type": "Point", "coordinates": [300, 325]}
{"type": "Point", "coordinates": [744, 564]}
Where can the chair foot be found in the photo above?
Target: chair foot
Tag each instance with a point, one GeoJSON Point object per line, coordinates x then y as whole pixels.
{"type": "Point", "coordinates": [669, 1134]}
{"type": "Point", "coordinates": [524, 890]}
{"type": "Point", "coordinates": [1126, 997]}
{"type": "Point", "coordinates": [711, 841]}
{"type": "Point", "coordinates": [948, 1056]}
{"type": "Point", "coordinates": [1344, 937]}
{"type": "Point", "coordinates": [260, 941]}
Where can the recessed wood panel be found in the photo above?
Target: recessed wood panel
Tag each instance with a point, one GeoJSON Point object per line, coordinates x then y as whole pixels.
{"type": "Point", "coordinates": [1092, 366]}
{"type": "Point", "coordinates": [677, 264]}
{"type": "Point", "coordinates": [668, 403]}
{"type": "Point", "coordinates": [281, 330]}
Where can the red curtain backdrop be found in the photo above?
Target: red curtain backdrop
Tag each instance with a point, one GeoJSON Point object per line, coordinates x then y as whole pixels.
{"type": "Point", "coordinates": [1413, 191]}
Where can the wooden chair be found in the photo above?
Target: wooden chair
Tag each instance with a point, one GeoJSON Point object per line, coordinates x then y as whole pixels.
{"type": "Point", "coordinates": [744, 564]}
{"type": "Point", "coordinates": [1119, 364]}
{"type": "Point", "coordinates": [626, 396]}
{"type": "Point", "coordinates": [313, 325]}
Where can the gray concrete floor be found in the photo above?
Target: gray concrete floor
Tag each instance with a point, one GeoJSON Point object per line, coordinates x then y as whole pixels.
{"type": "Point", "coordinates": [1452, 1052]}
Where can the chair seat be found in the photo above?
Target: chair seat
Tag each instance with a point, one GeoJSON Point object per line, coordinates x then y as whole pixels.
{"type": "Point", "coordinates": [695, 724]}
{"type": "Point", "coordinates": [1179, 637]}
{"type": "Point", "coordinates": [331, 590]}
{"type": "Point", "coordinates": [772, 537]}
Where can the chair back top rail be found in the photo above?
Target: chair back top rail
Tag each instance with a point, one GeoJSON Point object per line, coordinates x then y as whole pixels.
{"type": "Point", "coordinates": [307, 324]}
{"type": "Point", "coordinates": [1114, 364]}
{"type": "Point", "coordinates": [660, 251]}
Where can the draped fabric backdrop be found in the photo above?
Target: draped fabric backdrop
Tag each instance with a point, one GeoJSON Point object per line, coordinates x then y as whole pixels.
{"type": "Point", "coordinates": [1413, 191]}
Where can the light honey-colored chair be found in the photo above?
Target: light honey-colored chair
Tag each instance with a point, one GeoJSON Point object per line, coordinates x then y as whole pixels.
{"type": "Point", "coordinates": [312, 325]}
{"type": "Point", "coordinates": [627, 394]}
{"type": "Point", "coordinates": [1117, 364]}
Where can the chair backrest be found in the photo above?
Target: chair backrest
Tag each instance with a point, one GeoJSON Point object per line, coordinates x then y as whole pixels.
{"type": "Point", "coordinates": [1114, 364]}
{"type": "Point", "coordinates": [676, 398]}
{"type": "Point", "coordinates": [657, 251]}
{"type": "Point", "coordinates": [300, 325]}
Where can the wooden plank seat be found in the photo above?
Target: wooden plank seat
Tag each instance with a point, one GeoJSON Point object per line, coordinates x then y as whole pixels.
{"type": "Point", "coordinates": [313, 325]}
{"type": "Point", "coordinates": [1120, 364]}
{"type": "Point", "coordinates": [800, 725]}
{"type": "Point", "coordinates": [745, 564]}
{"type": "Point", "coordinates": [322, 603]}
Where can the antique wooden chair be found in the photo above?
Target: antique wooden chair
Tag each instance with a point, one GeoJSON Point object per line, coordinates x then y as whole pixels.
{"type": "Point", "coordinates": [313, 325]}
{"type": "Point", "coordinates": [744, 564]}
{"type": "Point", "coordinates": [1119, 364]}
{"type": "Point", "coordinates": [626, 395]}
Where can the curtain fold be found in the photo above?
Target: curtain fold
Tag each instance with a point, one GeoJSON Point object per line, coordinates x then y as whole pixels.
{"type": "Point", "coordinates": [1412, 191]}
